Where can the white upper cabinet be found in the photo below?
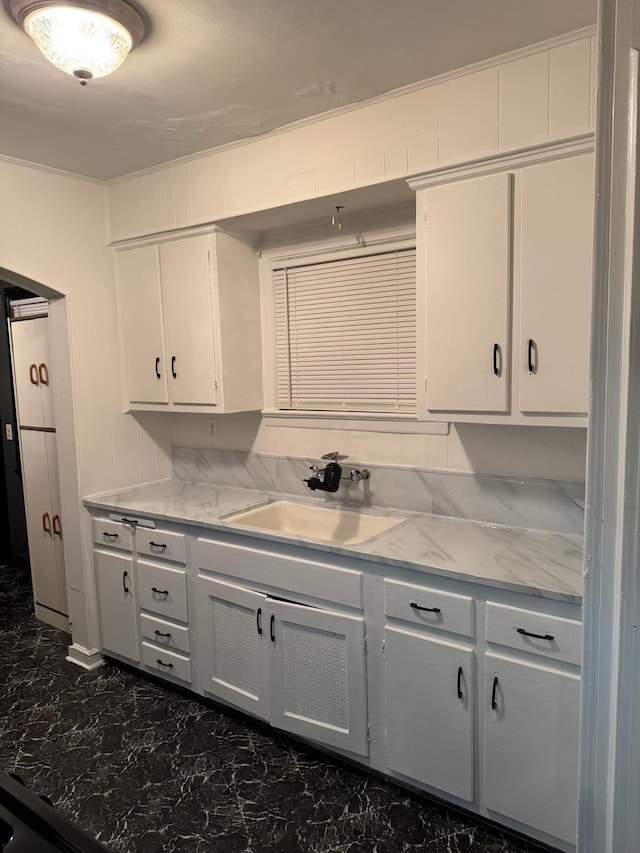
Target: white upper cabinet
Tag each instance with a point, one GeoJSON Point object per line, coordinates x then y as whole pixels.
{"type": "Point", "coordinates": [190, 318]}
{"type": "Point", "coordinates": [504, 293]}
{"type": "Point", "coordinates": [556, 245]}
{"type": "Point", "coordinates": [467, 257]}
{"type": "Point", "coordinates": [140, 296]}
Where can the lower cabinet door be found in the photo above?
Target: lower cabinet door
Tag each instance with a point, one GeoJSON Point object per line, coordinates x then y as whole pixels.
{"type": "Point", "coordinates": [232, 637]}
{"type": "Point", "coordinates": [317, 675]}
{"type": "Point", "coordinates": [430, 711]}
{"type": "Point", "coordinates": [117, 616]}
{"type": "Point", "coordinates": [532, 723]}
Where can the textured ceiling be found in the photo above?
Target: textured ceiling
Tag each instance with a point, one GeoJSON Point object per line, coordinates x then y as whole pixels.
{"type": "Point", "coordinates": [215, 71]}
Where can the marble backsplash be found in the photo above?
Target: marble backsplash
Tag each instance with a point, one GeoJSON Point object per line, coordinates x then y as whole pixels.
{"type": "Point", "coordinates": [534, 504]}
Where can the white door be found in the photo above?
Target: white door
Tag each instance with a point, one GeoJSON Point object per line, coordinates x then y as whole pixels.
{"type": "Point", "coordinates": [32, 373]}
{"type": "Point", "coordinates": [233, 638]}
{"type": "Point", "coordinates": [188, 312]}
{"type": "Point", "coordinates": [42, 554]}
{"type": "Point", "coordinates": [430, 711]}
{"type": "Point", "coordinates": [556, 240]}
{"type": "Point", "coordinates": [56, 517]}
{"type": "Point", "coordinates": [117, 616]}
{"type": "Point", "coordinates": [532, 723]}
{"type": "Point", "coordinates": [317, 683]}
{"type": "Point", "coordinates": [468, 283]}
{"type": "Point", "coordinates": [140, 310]}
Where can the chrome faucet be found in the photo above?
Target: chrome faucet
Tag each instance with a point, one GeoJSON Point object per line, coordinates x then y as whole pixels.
{"type": "Point", "coordinates": [327, 479]}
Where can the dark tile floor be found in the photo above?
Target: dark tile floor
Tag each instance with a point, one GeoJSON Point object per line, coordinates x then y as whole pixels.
{"type": "Point", "coordinates": [148, 770]}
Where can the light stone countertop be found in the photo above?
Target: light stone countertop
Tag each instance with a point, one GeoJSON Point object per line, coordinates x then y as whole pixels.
{"type": "Point", "coordinates": [541, 563]}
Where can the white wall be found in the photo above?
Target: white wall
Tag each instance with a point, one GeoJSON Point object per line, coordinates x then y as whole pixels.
{"type": "Point", "coordinates": [52, 231]}
{"type": "Point", "coordinates": [533, 97]}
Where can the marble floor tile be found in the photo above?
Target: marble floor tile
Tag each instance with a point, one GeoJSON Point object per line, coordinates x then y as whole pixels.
{"type": "Point", "coordinates": [149, 770]}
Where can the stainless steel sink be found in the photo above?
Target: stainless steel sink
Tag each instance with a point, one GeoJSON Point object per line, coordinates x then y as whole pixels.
{"type": "Point", "coordinates": [338, 526]}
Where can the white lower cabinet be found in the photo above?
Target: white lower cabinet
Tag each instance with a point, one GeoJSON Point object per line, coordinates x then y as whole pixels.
{"type": "Point", "coordinates": [301, 668]}
{"type": "Point", "coordinates": [531, 744]}
{"type": "Point", "coordinates": [429, 694]}
{"type": "Point", "coordinates": [117, 611]}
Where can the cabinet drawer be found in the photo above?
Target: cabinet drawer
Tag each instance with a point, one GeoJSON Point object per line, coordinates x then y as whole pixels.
{"type": "Point", "coordinates": [162, 590]}
{"type": "Point", "coordinates": [158, 543]}
{"type": "Point", "coordinates": [422, 605]}
{"type": "Point", "coordinates": [112, 533]}
{"type": "Point", "coordinates": [164, 634]}
{"type": "Point", "coordinates": [553, 636]}
{"type": "Point", "coordinates": [166, 663]}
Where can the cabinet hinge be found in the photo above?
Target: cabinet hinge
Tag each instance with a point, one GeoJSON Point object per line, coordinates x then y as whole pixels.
{"type": "Point", "coordinates": [368, 732]}
{"type": "Point", "coordinates": [384, 649]}
{"type": "Point", "coordinates": [365, 645]}
{"type": "Point", "coordinates": [215, 384]}
{"type": "Point", "coordinates": [209, 255]}
{"type": "Point", "coordinates": [386, 738]}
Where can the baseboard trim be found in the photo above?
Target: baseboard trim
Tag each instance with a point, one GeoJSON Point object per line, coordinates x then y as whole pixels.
{"type": "Point", "coordinates": [88, 659]}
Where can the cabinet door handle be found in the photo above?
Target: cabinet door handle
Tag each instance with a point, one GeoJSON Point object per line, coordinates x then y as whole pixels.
{"type": "Point", "coordinates": [173, 367]}
{"type": "Point", "coordinates": [43, 372]}
{"type": "Point", "coordinates": [259, 620]}
{"type": "Point", "coordinates": [158, 374]}
{"type": "Point", "coordinates": [159, 591]}
{"type": "Point", "coordinates": [532, 356]}
{"type": "Point", "coordinates": [125, 588]}
{"type": "Point", "coordinates": [272, 628]}
{"type": "Point", "coordinates": [497, 360]}
{"type": "Point", "coordinates": [524, 633]}
{"type": "Point", "coordinates": [459, 685]}
{"type": "Point", "coordinates": [161, 546]}
{"type": "Point", "coordinates": [57, 526]}
{"type": "Point", "coordinates": [161, 633]}
{"type": "Point", "coordinates": [162, 663]}
{"type": "Point", "coordinates": [46, 522]}
{"type": "Point", "coordinates": [426, 609]}
{"type": "Point", "coordinates": [494, 691]}
{"type": "Point", "coordinates": [111, 537]}
{"type": "Point", "coordinates": [33, 374]}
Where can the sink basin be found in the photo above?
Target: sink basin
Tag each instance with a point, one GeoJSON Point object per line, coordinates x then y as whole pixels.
{"type": "Point", "coordinates": [338, 526]}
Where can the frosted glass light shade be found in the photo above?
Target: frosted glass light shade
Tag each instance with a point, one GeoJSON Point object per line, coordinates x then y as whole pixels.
{"type": "Point", "coordinates": [79, 41]}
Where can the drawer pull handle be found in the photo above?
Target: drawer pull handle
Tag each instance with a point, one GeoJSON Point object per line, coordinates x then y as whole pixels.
{"type": "Point", "coordinates": [524, 633]}
{"type": "Point", "coordinates": [426, 609]}
{"type": "Point", "coordinates": [259, 619]}
{"type": "Point", "coordinates": [161, 634]}
{"type": "Point", "coordinates": [272, 628]}
{"type": "Point", "coordinates": [159, 591]}
{"type": "Point", "coordinates": [494, 690]}
{"type": "Point", "coordinates": [129, 520]}
{"type": "Point", "coordinates": [162, 663]}
{"type": "Point", "coordinates": [158, 545]}
{"type": "Point", "coordinates": [460, 682]}
{"type": "Point", "coordinates": [110, 536]}
{"type": "Point", "coordinates": [125, 575]}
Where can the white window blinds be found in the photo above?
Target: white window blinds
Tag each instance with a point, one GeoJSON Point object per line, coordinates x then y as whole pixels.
{"type": "Point", "coordinates": [346, 334]}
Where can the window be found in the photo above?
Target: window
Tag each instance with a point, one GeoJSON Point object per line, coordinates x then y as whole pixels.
{"type": "Point", "coordinates": [345, 334]}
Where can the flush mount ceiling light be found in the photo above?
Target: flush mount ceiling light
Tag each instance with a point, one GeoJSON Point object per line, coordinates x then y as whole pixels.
{"type": "Point", "coordinates": [85, 38]}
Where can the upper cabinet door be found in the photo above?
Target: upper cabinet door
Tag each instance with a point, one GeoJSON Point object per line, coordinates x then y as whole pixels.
{"type": "Point", "coordinates": [467, 254]}
{"type": "Point", "coordinates": [188, 311]}
{"type": "Point", "coordinates": [140, 301]}
{"type": "Point", "coordinates": [556, 238]}
{"type": "Point", "coordinates": [32, 372]}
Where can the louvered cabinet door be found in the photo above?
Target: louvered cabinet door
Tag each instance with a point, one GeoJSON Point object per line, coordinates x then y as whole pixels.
{"type": "Point", "coordinates": [317, 674]}
{"type": "Point", "coordinates": [232, 637]}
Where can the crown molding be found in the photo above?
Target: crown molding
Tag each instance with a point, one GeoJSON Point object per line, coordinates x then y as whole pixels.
{"type": "Point", "coordinates": [51, 170]}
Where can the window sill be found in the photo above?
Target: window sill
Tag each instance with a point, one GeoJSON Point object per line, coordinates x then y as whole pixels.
{"type": "Point", "coordinates": [363, 421]}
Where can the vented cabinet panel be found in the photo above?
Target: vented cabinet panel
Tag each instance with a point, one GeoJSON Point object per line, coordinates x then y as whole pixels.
{"type": "Point", "coordinates": [233, 644]}
{"type": "Point", "coordinates": [318, 679]}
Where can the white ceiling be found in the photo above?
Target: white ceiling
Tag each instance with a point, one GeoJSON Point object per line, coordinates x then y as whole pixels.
{"type": "Point", "coordinates": [215, 71]}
